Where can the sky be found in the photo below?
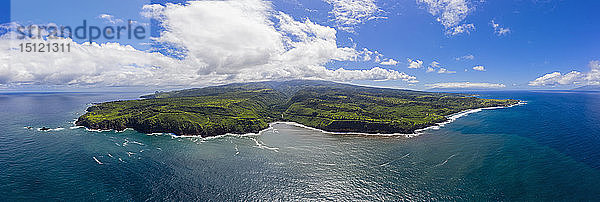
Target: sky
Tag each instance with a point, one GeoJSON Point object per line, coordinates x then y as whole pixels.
{"type": "Point", "coordinates": [412, 44]}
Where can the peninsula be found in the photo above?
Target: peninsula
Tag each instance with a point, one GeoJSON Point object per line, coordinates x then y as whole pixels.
{"type": "Point", "coordinates": [250, 107]}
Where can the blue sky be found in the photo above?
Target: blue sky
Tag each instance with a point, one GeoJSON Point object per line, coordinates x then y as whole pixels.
{"type": "Point", "coordinates": [514, 43]}
{"type": "Point", "coordinates": [73, 12]}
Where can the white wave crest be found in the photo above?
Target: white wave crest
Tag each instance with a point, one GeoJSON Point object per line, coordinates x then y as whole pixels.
{"type": "Point", "coordinates": [97, 161]}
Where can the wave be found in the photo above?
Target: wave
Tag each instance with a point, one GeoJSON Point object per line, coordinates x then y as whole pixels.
{"type": "Point", "coordinates": [261, 145]}
{"type": "Point", "coordinates": [221, 136]}
{"type": "Point", "coordinates": [97, 161]}
{"type": "Point", "coordinates": [75, 126]}
{"type": "Point", "coordinates": [343, 133]}
{"type": "Point", "coordinates": [446, 161]}
{"type": "Point", "coordinates": [127, 141]}
{"type": "Point", "coordinates": [385, 164]}
{"type": "Point", "coordinates": [126, 129]}
{"type": "Point", "coordinates": [97, 130]}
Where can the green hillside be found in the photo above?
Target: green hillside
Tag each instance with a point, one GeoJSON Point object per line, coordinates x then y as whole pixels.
{"type": "Point", "coordinates": [249, 107]}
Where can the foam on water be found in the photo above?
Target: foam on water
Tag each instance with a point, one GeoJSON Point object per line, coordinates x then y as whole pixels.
{"type": "Point", "coordinates": [261, 145]}
{"type": "Point", "coordinates": [127, 141]}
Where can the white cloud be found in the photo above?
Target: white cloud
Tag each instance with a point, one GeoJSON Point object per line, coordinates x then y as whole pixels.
{"type": "Point", "coordinates": [349, 13]}
{"type": "Point", "coordinates": [574, 77]}
{"type": "Point", "coordinates": [459, 29]}
{"type": "Point", "coordinates": [465, 85]}
{"type": "Point", "coordinates": [109, 18]}
{"type": "Point", "coordinates": [414, 64]}
{"type": "Point", "coordinates": [221, 42]}
{"type": "Point", "coordinates": [389, 62]}
{"type": "Point", "coordinates": [466, 57]}
{"type": "Point", "coordinates": [110, 64]}
{"type": "Point", "coordinates": [445, 71]}
{"type": "Point", "coordinates": [435, 64]}
{"type": "Point", "coordinates": [368, 55]}
{"type": "Point", "coordinates": [479, 68]}
{"type": "Point", "coordinates": [375, 74]}
{"type": "Point", "coordinates": [593, 77]}
{"type": "Point", "coordinates": [556, 78]}
{"type": "Point", "coordinates": [500, 31]}
{"type": "Point", "coordinates": [451, 14]}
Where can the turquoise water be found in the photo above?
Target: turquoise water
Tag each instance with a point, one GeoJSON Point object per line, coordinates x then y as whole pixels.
{"type": "Point", "coordinates": [548, 149]}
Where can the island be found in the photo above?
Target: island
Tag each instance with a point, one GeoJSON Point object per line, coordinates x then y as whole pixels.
{"type": "Point", "coordinates": [242, 108]}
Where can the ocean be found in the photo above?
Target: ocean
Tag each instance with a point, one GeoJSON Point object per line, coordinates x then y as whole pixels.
{"type": "Point", "coordinates": [547, 149]}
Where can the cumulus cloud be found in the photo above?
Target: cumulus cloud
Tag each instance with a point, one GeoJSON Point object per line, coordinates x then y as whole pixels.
{"type": "Point", "coordinates": [369, 55]}
{"type": "Point", "coordinates": [220, 42]}
{"type": "Point", "coordinates": [430, 69]}
{"type": "Point", "coordinates": [376, 74]}
{"type": "Point", "coordinates": [593, 77]}
{"type": "Point", "coordinates": [389, 62]}
{"type": "Point", "coordinates": [465, 85]}
{"type": "Point", "coordinates": [459, 29]}
{"type": "Point", "coordinates": [556, 78]}
{"type": "Point", "coordinates": [433, 65]}
{"type": "Point", "coordinates": [466, 57]}
{"type": "Point", "coordinates": [445, 71]}
{"type": "Point", "coordinates": [349, 13]}
{"type": "Point", "coordinates": [500, 31]}
{"type": "Point", "coordinates": [479, 68]}
{"type": "Point", "coordinates": [109, 18]}
{"type": "Point", "coordinates": [574, 77]}
{"type": "Point", "coordinates": [109, 64]}
{"type": "Point", "coordinates": [451, 14]}
{"type": "Point", "coordinates": [414, 64]}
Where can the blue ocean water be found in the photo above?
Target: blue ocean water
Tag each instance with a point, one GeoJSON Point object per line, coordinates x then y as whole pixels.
{"type": "Point", "coordinates": [547, 149]}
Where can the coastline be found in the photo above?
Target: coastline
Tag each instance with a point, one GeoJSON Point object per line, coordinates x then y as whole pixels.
{"type": "Point", "coordinates": [417, 132]}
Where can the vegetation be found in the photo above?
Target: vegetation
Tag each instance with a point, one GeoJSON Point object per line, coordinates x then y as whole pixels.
{"type": "Point", "coordinates": [248, 108]}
